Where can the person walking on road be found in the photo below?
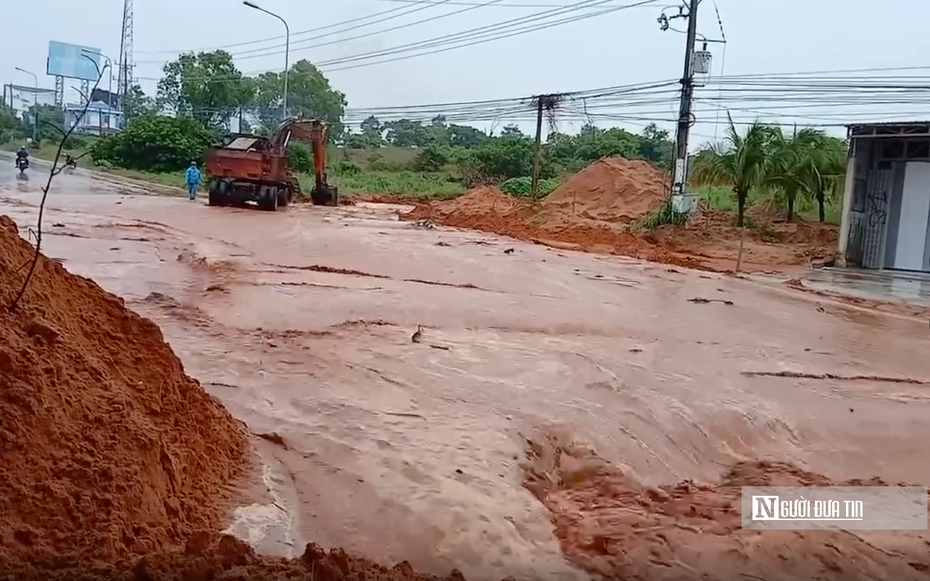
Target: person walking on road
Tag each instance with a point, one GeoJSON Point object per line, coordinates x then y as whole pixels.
{"type": "Point", "coordinates": [193, 180]}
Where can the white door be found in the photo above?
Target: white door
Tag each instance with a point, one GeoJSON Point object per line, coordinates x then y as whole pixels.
{"type": "Point", "coordinates": [915, 210]}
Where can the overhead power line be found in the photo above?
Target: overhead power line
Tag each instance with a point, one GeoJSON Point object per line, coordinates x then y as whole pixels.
{"type": "Point", "coordinates": [465, 38]}
{"type": "Point", "coordinates": [425, 4]}
{"type": "Point", "coordinates": [394, 11]}
{"type": "Point", "coordinates": [512, 23]}
{"type": "Point", "coordinates": [261, 52]}
{"type": "Point", "coordinates": [457, 43]}
{"type": "Point", "coordinates": [505, 5]}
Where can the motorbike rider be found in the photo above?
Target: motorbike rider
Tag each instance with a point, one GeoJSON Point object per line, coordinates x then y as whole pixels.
{"type": "Point", "coordinates": [22, 158]}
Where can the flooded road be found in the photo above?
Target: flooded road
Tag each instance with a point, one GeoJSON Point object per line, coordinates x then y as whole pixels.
{"type": "Point", "coordinates": [301, 323]}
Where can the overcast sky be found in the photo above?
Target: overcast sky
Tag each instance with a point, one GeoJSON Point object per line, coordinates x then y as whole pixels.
{"type": "Point", "coordinates": [621, 47]}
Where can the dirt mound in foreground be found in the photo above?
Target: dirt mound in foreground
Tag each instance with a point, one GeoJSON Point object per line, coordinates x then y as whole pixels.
{"type": "Point", "coordinates": [106, 447]}
{"type": "Point", "coordinates": [610, 525]}
{"type": "Point", "coordinates": [211, 557]}
{"type": "Point", "coordinates": [612, 190]}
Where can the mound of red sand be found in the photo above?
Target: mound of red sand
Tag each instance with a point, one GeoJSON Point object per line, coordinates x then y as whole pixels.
{"type": "Point", "coordinates": [211, 557]}
{"type": "Point", "coordinates": [612, 190]}
{"type": "Point", "coordinates": [107, 448]}
{"type": "Point", "coordinates": [488, 209]}
{"type": "Point", "coordinates": [481, 205]}
{"type": "Point", "coordinates": [612, 526]}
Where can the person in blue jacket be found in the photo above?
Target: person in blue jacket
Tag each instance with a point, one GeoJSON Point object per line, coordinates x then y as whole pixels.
{"type": "Point", "coordinates": [193, 180]}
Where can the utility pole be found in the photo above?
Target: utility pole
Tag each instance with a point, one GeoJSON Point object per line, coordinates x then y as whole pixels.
{"type": "Point", "coordinates": [537, 149]}
{"type": "Point", "coordinates": [684, 113]}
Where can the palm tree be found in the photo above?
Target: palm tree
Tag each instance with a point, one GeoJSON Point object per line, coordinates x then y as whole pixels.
{"type": "Point", "coordinates": [739, 160]}
{"type": "Point", "coordinates": [547, 105]}
{"type": "Point", "coordinates": [794, 163]}
{"type": "Point", "coordinates": [825, 169]}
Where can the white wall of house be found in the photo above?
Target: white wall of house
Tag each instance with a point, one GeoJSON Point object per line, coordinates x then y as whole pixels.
{"type": "Point", "coordinates": [97, 118]}
{"type": "Point", "coordinates": [886, 202]}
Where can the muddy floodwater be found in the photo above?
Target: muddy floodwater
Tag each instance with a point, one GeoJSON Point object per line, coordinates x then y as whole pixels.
{"type": "Point", "coordinates": [300, 322]}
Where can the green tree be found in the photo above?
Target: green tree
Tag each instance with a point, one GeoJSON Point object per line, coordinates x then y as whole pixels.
{"type": "Point", "coordinates": [823, 174]}
{"type": "Point", "coordinates": [511, 130]}
{"type": "Point", "coordinates": [206, 86]}
{"type": "Point", "coordinates": [51, 122]}
{"type": "Point", "coordinates": [371, 132]}
{"type": "Point", "coordinates": [498, 159]}
{"type": "Point", "coordinates": [431, 158]}
{"type": "Point", "coordinates": [406, 133]}
{"type": "Point", "coordinates": [154, 143]}
{"type": "Point", "coordinates": [465, 136]}
{"type": "Point", "coordinates": [309, 95]}
{"type": "Point", "coordinates": [787, 157]}
{"type": "Point", "coordinates": [11, 126]}
{"type": "Point", "coordinates": [136, 103]}
{"type": "Point", "coordinates": [655, 146]}
{"type": "Point", "coordinates": [613, 142]}
{"type": "Point", "coordinates": [739, 160]}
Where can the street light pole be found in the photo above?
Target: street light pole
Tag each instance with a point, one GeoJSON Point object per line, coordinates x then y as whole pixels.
{"type": "Point", "coordinates": [87, 54]}
{"type": "Point", "coordinates": [287, 49]}
{"type": "Point", "coordinates": [35, 104]}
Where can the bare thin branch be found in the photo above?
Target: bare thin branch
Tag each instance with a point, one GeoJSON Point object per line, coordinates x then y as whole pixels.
{"type": "Point", "coordinates": [48, 184]}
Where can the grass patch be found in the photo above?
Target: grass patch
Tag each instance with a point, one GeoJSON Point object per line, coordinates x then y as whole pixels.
{"type": "Point", "coordinates": [523, 187]}
{"type": "Point", "coordinates": [664, 214]}
{"type": "Point", "coordinates": [406, 183]}
{"type": "Point", "coordinates": [172, 179]}
{"type": "Point", "coordinates": [724, 200]}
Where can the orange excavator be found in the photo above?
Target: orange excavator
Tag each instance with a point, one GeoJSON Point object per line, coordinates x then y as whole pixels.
{"type": "Point", "coordinates": [254, 169]}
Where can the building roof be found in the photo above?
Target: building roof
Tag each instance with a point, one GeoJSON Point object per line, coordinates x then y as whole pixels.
{"type": "Point", "coordinates": [890, 129]}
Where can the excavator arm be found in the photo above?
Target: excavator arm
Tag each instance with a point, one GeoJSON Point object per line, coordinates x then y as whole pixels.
{"type": "Point", "coordinates": [314, 131]}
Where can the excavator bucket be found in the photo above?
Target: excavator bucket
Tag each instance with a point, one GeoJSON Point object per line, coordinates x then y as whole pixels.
{"type": "Point", "coordinates": [324, 195]}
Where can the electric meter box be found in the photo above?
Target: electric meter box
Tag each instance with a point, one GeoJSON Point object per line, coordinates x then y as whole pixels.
{"type": "Point", "coordinates": [702, 62]}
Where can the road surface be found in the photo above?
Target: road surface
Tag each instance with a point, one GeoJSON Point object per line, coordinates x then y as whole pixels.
{"type": "Point", "coordinates": [301, 323]}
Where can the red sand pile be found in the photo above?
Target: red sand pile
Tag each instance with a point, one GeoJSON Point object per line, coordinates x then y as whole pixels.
{"type": "Point", "coordinates": [106, 447]}
{"type": "Point", "coordinates": [211, 557]}
{"type": "Point", "coordinates": [114, 464]}
{"type": "Point", "coordinates": [610, 525]}
{"type": "Point", "coordinates": [713, 236]}
{"type": "Point", "coordinates": [596, 207]}
{"type": "Point", "coordinates": [616, 190]}
{"type": "Point", "coordinates": [488, 209]}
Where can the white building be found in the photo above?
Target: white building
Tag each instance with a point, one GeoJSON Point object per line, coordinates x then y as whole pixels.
{"type": "Point", "coordinates": [886, 199]}
{"type": "Point", "coordinates": [100, 118]}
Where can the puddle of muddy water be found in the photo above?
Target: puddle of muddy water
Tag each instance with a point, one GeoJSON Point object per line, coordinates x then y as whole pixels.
{"type": "Point", "coordinates": [270, 527]}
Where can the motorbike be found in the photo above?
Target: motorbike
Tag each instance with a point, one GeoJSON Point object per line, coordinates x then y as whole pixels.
{"type": "Point", "coordinates": [22, 164]}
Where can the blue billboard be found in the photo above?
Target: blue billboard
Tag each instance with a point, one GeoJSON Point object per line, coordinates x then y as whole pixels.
{"type": "Point", "coordinates": [73, 61]}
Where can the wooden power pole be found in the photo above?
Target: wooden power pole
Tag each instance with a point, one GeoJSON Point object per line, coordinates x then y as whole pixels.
{"type": "Point", "coordinates": [537, 150]}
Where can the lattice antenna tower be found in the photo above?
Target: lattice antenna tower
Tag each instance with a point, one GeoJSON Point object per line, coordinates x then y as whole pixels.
{"type": "Point", "coordinates": [124, 81]}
